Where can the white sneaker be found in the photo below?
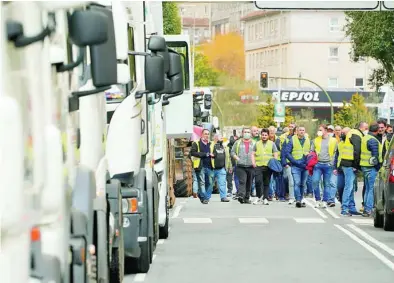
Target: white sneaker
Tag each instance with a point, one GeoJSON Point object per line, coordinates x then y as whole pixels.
{"type": "Point", "coordinates": [257, 201]}
{"type": "Point", "coordinates": [318, 204]}
{"type": "Point", "coordinates": [324, 205]}
{"type": "Point", "coordinates": [291, 201]}
{"type": "Point", "coordinates": [265, 202]}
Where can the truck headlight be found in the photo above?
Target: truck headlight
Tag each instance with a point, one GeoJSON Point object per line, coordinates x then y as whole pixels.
{"type": "Point", "coordinates": [129, 205]}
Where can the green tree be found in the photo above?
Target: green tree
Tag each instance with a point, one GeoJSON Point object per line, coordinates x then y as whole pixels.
{"type": "Point", "coordinates": [372, 36]}
{"type": "Point", "coordinates": [171, 19]}
{"type": "Point", "coordinates": [266, 114]}
{"type": "Point", "coordinates": [204, 74]}
{"type": "Point", "coordinates": [353, 112]}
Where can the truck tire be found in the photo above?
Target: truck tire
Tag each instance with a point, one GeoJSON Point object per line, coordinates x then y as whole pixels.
{"type": "Point", "coordinates": [388, 221]}
{"type": "Point", "coordinates": [115, 268]}
{"type": "Point", "coordinates": [143, 262]}
{"type": "Point", "coordinates": [378, 219]}
{"type": "Point", "coordinates": [163, 231]}
{"type": "Point", "coordinates": [180, 189]}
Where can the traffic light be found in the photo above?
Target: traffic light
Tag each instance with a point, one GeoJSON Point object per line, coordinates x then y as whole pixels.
{"type": "Point", "coordinates": [264, 80]}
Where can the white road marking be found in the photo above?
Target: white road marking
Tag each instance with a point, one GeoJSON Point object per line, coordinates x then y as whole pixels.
{"type": "Point", "coordinates": [153, 257]}
{"type": "Point", "coordinates": [160, 242]}
{"type": "Point", "coordinates": [139, 277]}
{"type": "Point", "coordinates": [321, 214]}
{"type": "Point", "coordinates": [177, 210]}
{"type": "Point", "coordinates": [369, 248]}
{"type": "Point", "coordinates": [169, 229]}
{"type": "Point", "coordinates": [362, 221]}
{"type": "Point", "coordinates": [372, 240]}
{"type": "Point", "coordinates": [197, 220]}
{"type": "Point", "coordinates": [332, 213]}
{"type": "Point", "coordinates": [253, 220]}
{"type": "Point", "coordinates": [309, 220]}
{"type": "Point", "coordinates": [183, 202]}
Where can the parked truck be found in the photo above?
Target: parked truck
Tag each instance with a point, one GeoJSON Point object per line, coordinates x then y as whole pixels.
{"type": "Point", "coordinates": [137, 140]}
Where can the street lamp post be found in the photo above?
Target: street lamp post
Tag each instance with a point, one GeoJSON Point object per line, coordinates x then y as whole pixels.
{"type": "Point", "coordinates": [322, 89]}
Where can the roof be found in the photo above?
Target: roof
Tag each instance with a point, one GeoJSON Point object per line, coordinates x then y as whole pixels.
{"type": "Point", "coordinates": [198, 22]}
{"type": "Point", "coordinates": [258, 14]}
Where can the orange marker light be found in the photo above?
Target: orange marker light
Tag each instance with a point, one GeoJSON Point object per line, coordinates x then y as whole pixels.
{"type": "Point", "coordinates": [35, 234]}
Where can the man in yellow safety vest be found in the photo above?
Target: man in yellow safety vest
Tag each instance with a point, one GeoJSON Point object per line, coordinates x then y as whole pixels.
{"type": "Point", "coordinates": [265, 150]}
{"type": "Point", "coordinates": [370, 162]}
{"type": "Point", "coordinates": [325, 147]}
{"type": "Point", "coordinates": [201, 158]}
{"type": "Point", "coordinates": [297, 148]}
{"type": "Point", "coordinates": [345, 169]}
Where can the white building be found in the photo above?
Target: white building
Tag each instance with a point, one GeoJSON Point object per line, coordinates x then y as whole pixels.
{"type": "Point", "coordinates": [307, 44]}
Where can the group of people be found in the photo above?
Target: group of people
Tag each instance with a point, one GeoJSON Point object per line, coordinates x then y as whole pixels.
{"type": "Point", "coordinates": [292, 166]}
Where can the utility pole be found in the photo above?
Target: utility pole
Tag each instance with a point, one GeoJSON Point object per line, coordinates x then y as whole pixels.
{"type": "Point", "coordinates": [322, 89]}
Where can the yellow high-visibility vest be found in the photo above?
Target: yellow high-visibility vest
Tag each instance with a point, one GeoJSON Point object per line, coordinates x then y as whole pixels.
{"type": "Point", "coordinates": [366, 154]}
{"type": "Point", "coordinates": [300, 151]}
{"type": "Point", "coordinates": [345, 151]}
{"type": "Point", "coordinates": [263, 153]}
{"type": "Point", "coordinates": [331, 146]}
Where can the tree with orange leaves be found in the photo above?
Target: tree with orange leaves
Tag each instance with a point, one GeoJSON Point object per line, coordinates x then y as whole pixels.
{"type": "Point", "coordinates": [226, 54]}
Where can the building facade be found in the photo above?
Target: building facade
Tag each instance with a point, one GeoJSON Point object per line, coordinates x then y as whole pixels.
{"type": "Point", "coordinates": [306, 44]}
{"type": "Point", "coordinates": [226, 16]}
{"type": "Point", "coordinates": [196, 20]}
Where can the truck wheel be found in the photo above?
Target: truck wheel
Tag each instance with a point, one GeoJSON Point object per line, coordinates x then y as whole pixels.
{"type": "Point", "coordinates": [378, 219]}
{"type": "Point", "coordinates": [180, 189]}
{"type": "Point", "coordinates": [163, 231]}
{"type": "Point", "coordinates": [143, 262]}
{"type": "Point", "coordinates": [388, 222]}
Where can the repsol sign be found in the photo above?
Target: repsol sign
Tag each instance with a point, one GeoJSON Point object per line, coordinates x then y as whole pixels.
{"type": "Point", "coordinates": [284, 96]}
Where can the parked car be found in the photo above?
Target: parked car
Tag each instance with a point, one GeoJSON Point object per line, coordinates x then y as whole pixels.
{"type": "Point", "coordinates": [384, 192]}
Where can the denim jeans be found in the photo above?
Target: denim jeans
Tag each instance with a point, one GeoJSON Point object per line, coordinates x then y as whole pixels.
{"type": "Point", "coordinates": [277, 179]}
{"type": "Point", "coordinates": [220, 176]}
{"type": "Point", "coordinates": [320, 169]}
{"type": "Point", "coordinates": [309, 187]}
{"type": "Point", "coordinates": [204, 180]}
{"type": "Point", "coordinates": [272, 186]}
{"type": "Point", "coordinates": [345, 183]}
{"type": "Point", "coordinates": [333, 191]}
{"type": "Point", "coordinates": [299, 177]}
{"type": "Point", "coordinates": [289, 181]}
{"type": "Point", "coordinates": [370, 174]}
{"type": "Point", "coordinates": [195, 182]}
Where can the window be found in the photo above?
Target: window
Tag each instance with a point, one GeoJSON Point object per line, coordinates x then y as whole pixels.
{"type": "Point", "coordinates": [333, 54]}
{"type": "Point", "coordinates": [359, 83]}
{"type": "Point", "coordinates": [332, 82]}
{"type": "Point", "coordinates": [334, 24]}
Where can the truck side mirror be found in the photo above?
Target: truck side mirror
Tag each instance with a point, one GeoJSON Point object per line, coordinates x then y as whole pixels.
{"type": "Point", "coordinates": [158, 46]}
{"type": "Point", "coordinates": [103, 56]}
{"type": "Point", "coordinates": [207, 101]}
{"type": "Point", "coordinates": [154, 73]}
{"type": "Point", "coordinates": [175, 73]}
{"type": "Point", "coordinates": [88, 27]}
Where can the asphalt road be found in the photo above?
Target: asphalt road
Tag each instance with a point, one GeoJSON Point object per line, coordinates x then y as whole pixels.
{"type": "Point", "coordinates": [230, 242]}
